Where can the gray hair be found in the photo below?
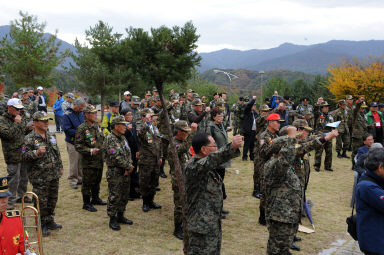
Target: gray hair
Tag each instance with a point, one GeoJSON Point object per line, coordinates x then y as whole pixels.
{"type": "Point", "coordinates": [374, 159]}
{"type": "Point", "coordinates": [79, 101]}
{"type": "Point", "coordinates": [375, 146]}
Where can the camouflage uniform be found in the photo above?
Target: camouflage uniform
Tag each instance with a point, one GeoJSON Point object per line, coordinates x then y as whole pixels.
{"type": "Point", "coordinates": [149, 156]}
{"type": "Point", "coordinates": [12, 138]}
{"type": "Point", "coordinates": [283, 198]}
{"type": "Point", "coordinates": [182, 150]}
{"type": "Point", "coordinates": [44, 173]}
{"type": "Point", "coordinates": [342, 140]}
{"type": "Point", "coordinates": [238, 117]}
{"type": "Point", "coordinates": [200, 119]}
{"type": "Point", "coordinates": [360, 128]}
{"type": "Point", "coordinates": [321, 120]}
{"type": "Point", "coordinates": [87, 138]}
{"type": "Point", "coordinates": [305, 110]}
{"type": "Point", "coordinates": [118, 160]}
{"type": "Point", "coordinates": [204, 201]}
{"type": "Point", "coordinates": [184, 111]}
{"type": "Point", "coordinates": [265, 153]}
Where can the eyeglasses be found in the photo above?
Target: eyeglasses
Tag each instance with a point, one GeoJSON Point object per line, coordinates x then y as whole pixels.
{"type": "Point", "coordinates": [215, 146]}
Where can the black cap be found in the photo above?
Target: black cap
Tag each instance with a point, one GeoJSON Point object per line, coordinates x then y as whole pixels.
{"type": "Point", "coordinates": [287, 97]}
{"type": "Point", "coordinates": [114, 104]}
{"type": "Point", "coordinates": [241, 98]}
{"type": "Point", "coordinates": [373, 104]}
{"type": "Point", "coordinates": [4, 191]}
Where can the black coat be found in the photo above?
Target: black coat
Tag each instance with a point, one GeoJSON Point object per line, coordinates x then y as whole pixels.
{"type": "Point", "coordinates": [249, 116]}
{"type": "Point", "coordinates": [133, 141]}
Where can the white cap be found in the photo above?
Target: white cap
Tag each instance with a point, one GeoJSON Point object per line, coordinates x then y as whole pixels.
{"type": "Point", "coordinates": [40, 88]}
{"type": "Point", "coordinates": [126, 93]}
{"type": "Point", "coordinates": [15, 102]}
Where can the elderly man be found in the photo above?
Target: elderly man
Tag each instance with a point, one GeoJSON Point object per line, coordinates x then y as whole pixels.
{"type": "Point", "coordinates": [42, 103]}
{"type": "Point", "coordinates": [68, 103]}
{"type": "Point", "coordinates": [126, 102]}
{"type": "Point", "coordinates": [12, 132]}
{"type": "Point", "coordinates": [199, 115]}
{"type": "Point", "coordinates": [72, 119]}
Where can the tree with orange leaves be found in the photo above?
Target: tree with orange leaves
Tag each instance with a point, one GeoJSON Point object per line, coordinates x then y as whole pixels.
{"type": "Point", "coordinates": [358, 78]}
{"type": "Point", "coordinates": [52, 96]}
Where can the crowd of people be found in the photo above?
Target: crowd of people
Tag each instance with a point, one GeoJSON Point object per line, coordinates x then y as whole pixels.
{"type": "Point", "coordinates": [132, 139]}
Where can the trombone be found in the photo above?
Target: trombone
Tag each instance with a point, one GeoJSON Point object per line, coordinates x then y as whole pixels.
{"type": "Point", "coordinates": [35, 225]}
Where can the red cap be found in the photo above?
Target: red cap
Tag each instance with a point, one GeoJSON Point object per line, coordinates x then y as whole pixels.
{"type": "Point", "coordinates": [273, 116]}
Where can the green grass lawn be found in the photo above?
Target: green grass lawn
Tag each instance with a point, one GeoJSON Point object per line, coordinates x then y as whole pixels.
{"type": "Point", "coordinates": [88, 233]}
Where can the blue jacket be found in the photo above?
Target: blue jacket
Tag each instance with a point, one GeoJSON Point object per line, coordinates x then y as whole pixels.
{"type": "Point", "coordinates": [57, 107]}
{"type": "Point", "coordinates": [370, 214]}
{"type": "Point", "coordinates": [361, 151]}
{"type": "Point", "coordinates": [71, 121]}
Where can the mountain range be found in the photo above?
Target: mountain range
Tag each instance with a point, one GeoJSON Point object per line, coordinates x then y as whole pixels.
{"type": "Point", "coordinates": [313, 59]}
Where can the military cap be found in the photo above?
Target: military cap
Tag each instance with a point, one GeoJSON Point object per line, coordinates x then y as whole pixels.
{"type": "Point", "coordinates": [146, 111]}
{"type": "Point", "coordinates": [381, 105]}
{"type": "Point", "coordinates": [300, 123]}
{"type": "Point", "coordinates": [195, 95]}
{"type": "Point", "coordinates": [264, 108]}
{"type": "Point", "coordinates": [241, 98]}
{"type": "Point", "coordinates": [89, 109]}
{"type": "Point", "coordinates": [4, 191]}
{"type": "Point", "coordinates": [190, 91]}
{"type": "Point", "coordinates": [174, 97]}
{"type": "Point", "coordinates": [349, 97]}
{"type": "Point", "coordinates": [118, 120]}
{"type": "Point", "coordinates": [41, 116]}
{"type": "Point", "coordinates": [182, 125]}
{"type": "Point", "coordinates": [342, 101]}
{"type": "Point", "coordinates": [181, 95]}
{"type": "Point", "coordinates": [154, 89]}
{"type": "Point", "coordinates": [220, 102]}
{"type": "Point", "coordinates": [305, 98]}
{"type": "Point", "coordinates": [364, 105]}
{"type": "Point", "coordinates": [135, 100]}
{"type": "Point", "coordinates": [114, 104]}
{"type": "Point", "coordinates": [148, 93]}
{"type": "Point", "coordinates": [246, 98]}
{"type": "Point", "coordinates": [373, 104]}
{"type": "Point", "coordinates": [324, 103]}
{"type": "Point", "coordinates": [15, 102]}
{"type": "Point", "coordinates": [197, 102]}
{"type": "Point", "coordinates": [283, 131]}
{"type": "Point", "coordinates": [274, 116]}
{"type": "Point", "coordinates": [23, 91]}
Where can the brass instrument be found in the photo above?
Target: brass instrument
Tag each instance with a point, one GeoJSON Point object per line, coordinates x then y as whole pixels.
{"type": "Point", "coordinates": [29, 245]}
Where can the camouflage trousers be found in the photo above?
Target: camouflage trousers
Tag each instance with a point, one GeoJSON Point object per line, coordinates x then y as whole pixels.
{"type": "Point", "coordinates": [164, 147]}
{"type": "Point", "coordinates": [328, 155]}
{"type": "Point", "coordinates": [280, 237]}
{"type": "Point", "coordinates": [177, 201]}
{"type": "Point", "coordinates": [148, 176]}
{"type": "Point", "coordinates": [48, 192]}
{"type": "Point", "coordinates": [91, 181]}
{"type": "Point", "coordinates": [207, 244]}
{"type": "Point", "coordinates": [342, 142]}
{"type": "Point", "coordinates": [118, 188]}
{"type": "Point", "coordinates": [356, 144]}
{"type": "Point", "coordinates": [256, 172]}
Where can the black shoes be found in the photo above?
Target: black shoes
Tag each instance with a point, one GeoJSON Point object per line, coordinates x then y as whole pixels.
{"type": "Point", "coordinates": [317, 169]}
{"type": "Point", "coordinates": [344, 155]}
{"type": "Point", "coordinates": [178, 232]}
{"type": "Point", "coordinates": [262, 220]}
{"type": "Point", "coordinates": [224, 211]}
{"type": "Point", "coordinates": [45, 230]}
{"type": "Point", "coordinates": [121, 219]}
{"type": "Point", "coordinates": [163, 175]}
{"type": "Point", "coordinates": [153, 205]}
{"type": "Point", "coordinates": [89, 207]}
{"type": "Point", "coordinates": [113, 224]}
{"type": "Point", "coordinates": [53, 225]}
{"type": "Point", "coordinates": [256, 194]}
{"type": "Point", "coordinates": [295, 247]}
{"type": "Point", "coordinates": [98, 201]}
{"type": "Point", "coordinates": [329, 169]}
{"type": "Point", "coordinates": [145, 207]}
{"type": "Point", "coordinates": [244, 159]}
{"type": "Point", "coordinates": [157, 189]}
{"type": "Point", "coordinates": [297, 239]}
{"type": "Point", "coordinates": [339, 155]}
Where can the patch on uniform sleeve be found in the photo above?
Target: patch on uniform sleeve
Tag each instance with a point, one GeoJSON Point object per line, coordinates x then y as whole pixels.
{"type": "Point", "coordinates": [23, 149]}
{"type": "Point", "coordinates": [13, 213]}
{"type": "Point", "coordinates": [382, 197]}
{"type": "Point", "coordinates": [112, 151]}
{"type": "Point", "coordinates": [16, 240]}
{"type": "Point", "coordinates": [322, 117]}
{"type": "Point", "coordinates": [78, 136]}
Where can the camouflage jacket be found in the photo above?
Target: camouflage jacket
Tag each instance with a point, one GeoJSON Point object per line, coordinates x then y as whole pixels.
{"type": "Point", "coordinates": [12, 138]}
{"type": "Point", "coordinates": [156, 109]}
{"type": "Point", "coordinates": [359, 122]}
{"type": "Point", "coordinates": [303, 110]}
{"type": "Point", "coordinates": [117, 152]}
{"type": "Point", "coordinates": [136, 116]}
{"type": "Point", "coordinates": [201, 119]}
{"type": "Point", "coordinates": [238, 113]}
{"type": "Point", "coordinates": [261, 124]}
{"type": "Point", "coordinates": [321, 121]}
{"type": "Point", "coordinates": [204, 197]}
{"type": "Point", "coordinates": [266, 150]}
{"type": "Point", "coordinates": [184, 111]}
{"type": "Point", "coordinates": [162, 125]}
{"type": "Point", "coordinates": [88, 137]}
{"type": "Point", "coordinates": [341, 115]}
{"type": "Point", "coordinates": [46, 167]}
{"type": "Point", "coordinates": [150, 142]}
{"type": "Point", "coordinates": [29, 110]}
{"type": "Point", "coordinates": [183, 153]}
{"type": "Point", "coordinates": [176, 112]}
{"type": "Point", "coordinates": [283, 187]}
